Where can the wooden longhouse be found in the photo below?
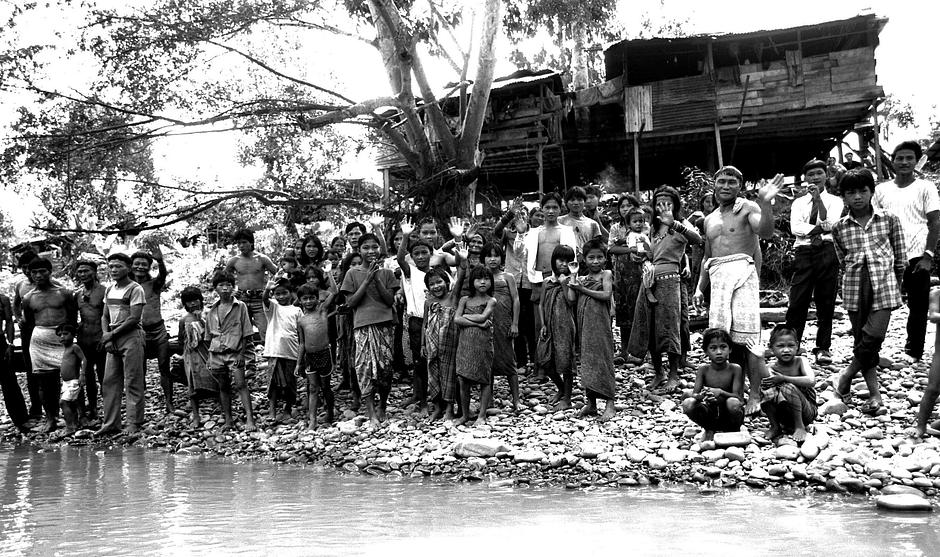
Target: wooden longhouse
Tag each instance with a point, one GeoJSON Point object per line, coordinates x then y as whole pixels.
{"type": "Point", "coordinates": [766, 101]}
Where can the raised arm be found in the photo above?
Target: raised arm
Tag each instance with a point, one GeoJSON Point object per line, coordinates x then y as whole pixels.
{"type": "Point", "coordinates": [762, 219]}
{"type": "Point", "coordinates": [406, 229]}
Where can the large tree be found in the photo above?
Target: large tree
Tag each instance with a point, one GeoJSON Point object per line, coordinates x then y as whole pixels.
{"type": "Point", "coordinates": [192, 66]}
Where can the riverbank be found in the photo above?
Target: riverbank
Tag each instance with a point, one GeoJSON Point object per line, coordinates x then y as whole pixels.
{"type": "Point", "coordinates": [649, 441]}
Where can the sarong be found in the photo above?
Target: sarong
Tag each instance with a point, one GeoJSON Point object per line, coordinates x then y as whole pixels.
{"type": "Point", "coordinates": [504, 353]}
{"type": "Point", "coordinates": [440, 339]}
{"type": "Point", "coordinates": [45, 349]}
{"type": "Point", "coordinates": [195, 360]}
{"type": "Point", "coordinates": [597, 343]}
{"type": "Point", "coordinates": [794, 397]}
{"type": "Point", "coordinates": [735, 296]}
{"type": "Point", "coordinates": [627, 279]}
{"type": "Point", "coordinates": [282, 384]}
{"type": "Point", "coordinates": [475, 349]}
{"type": "Point", "coordinates": [656, 326]}
{"type": "Point", "coordinates": [374, 358]}
{"type": "Point", "coordinates": [561, 327]}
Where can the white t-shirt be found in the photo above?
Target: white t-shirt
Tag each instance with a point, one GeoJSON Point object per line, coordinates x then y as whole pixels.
{"type": "Point", "coordinates": [280, 340]}
{"type": "Point", "coordinates": [415, 291]}
{"type": "Point", "coordinates": [911, 205]}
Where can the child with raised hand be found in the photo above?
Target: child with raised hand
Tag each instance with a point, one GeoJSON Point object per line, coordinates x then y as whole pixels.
{"type": "Point", "coordinates": [370, 292]}
{"type": "Point", "coordinates": [72, 370]}
{"type": "Point", "coordinates": [505, 319]}
{"type": "Point", "coordinates": [717, 403]}
{"type": "Point", "coordinates": [558, 335]}
{"type": "Point", "coordinates": [281, 346]}
{"type": "Point", "coordinates": [191, 336]}
{"type": "Point", "coordinates": [413, 270]}
{"type": "Point", "coordinates": [316, 358]}
{"type": "Point", "coordinates": [474, 319]}
{"type": "Point", "coordinates": [593, 293]}
{"type": "Point", "coordinates": [439, 338]}
{"type": "Point", "coordinates": [787, 396]}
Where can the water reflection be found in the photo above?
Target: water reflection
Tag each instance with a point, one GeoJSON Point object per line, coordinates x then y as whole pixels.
{"type": "Point", "coordinates": [120, 502]}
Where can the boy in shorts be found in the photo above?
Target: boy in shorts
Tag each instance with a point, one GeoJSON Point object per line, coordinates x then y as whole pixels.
{"type": "Point", "coordinates": [315, 355]}
{"type": "Point", "coordinates": [229, 332]}
{"type": "Point", "coordinates": [72, 372]}
{"type": "Point", "coordinates": [716, 401]}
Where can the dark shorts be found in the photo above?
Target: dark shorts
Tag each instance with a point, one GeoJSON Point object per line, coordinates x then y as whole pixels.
{"type": "Point", "coordinates": [155, 336]}
{"type": "Point", "coordinates": [320, 363]}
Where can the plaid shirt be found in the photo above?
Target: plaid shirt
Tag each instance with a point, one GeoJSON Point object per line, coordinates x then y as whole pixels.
{"type": "Point", "coordinates": [880, 245]}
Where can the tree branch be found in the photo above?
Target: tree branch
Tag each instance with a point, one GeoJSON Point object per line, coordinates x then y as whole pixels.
{"type": "Point", "coordinates": [473, 124]}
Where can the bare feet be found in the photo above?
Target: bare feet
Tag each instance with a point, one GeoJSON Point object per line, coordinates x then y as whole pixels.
{"type": "Point", "coordinates": [380, 414]}
{"type": "Point", "coordinates": [752, 408]}
{"type": "Point", "coordinates": [708, 435]}
{"type": "Point", "coordinates": [312, 425]}
{"type": "Point", "coordinates": [671, 385]}
{"type": "Point", "coordinates": [197, 422]}
{"type": "Point", "coordinates": [556, 398]}
{"type": "Point", "coordinates": [563, 404]}
{"type": "Point", "coordinates": [588, 410]}
{"type": "Point", "coordinates": [131, 429]}
{"type": "Point", "coordinates": [436, 414]}
{"type": "Point", "coordinates": [799, 435]}
{"type": "Point", "coordinates": [481, 419]}
{"type": "Point", "coordinates": [105, 431]}
{"type": "Point", "coordinates": [70, 430]}
{"type": "Point", "coordinates": [374, 422]}
{"type": "Point", "coordinates": [609, 412]}
{"type": "Point", "coordinates": [774, 431]}
{"type": "Point", "coordinates": [250, 425]}
{"type": "Point", "coordinates": [658, 380]}
{"type": "Point", "coordinates": [460, 421]}
{"type": "Point", "coordinates": [48, 426]}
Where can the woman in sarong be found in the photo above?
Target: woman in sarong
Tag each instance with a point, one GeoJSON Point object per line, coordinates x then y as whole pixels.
{"type": "Point", "coordinates": [557, 337]}
{"type": "Point", "coordinates": [595, 337]}
{"type": "Point", "coordinates": [505, 319]}
{"type": "Point", "coordinates": [657, 318]}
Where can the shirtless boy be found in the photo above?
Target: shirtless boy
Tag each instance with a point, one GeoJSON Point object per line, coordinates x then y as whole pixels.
{"type": "Point", "coordinates": [731, 266]}
{"type": "Point", "coordinates": [72, 370]}
{"type": "Point", "coordinates": [156, 338]}
{"type": "Point", "coordinates": [715, 403]}
{"type": "Point", "coordinates": [249, 268]}
{"type": "Point", "coordinates": [45, 307]}
{"type": "Point", "coordinates": [90, 300]}
{"type": "Point", "coordinates": [315, 356]}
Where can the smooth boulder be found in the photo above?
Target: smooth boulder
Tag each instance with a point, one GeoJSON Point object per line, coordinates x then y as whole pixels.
{"type": "Point", "coordinates": [903, 502]}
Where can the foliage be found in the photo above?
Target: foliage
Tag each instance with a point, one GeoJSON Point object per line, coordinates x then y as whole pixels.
{"type": "Point", "coordinates": [894, 112]}
{"type": "Point", "coordinates": [82, 161]}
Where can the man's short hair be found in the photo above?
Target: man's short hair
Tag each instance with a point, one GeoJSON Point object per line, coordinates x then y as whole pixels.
{"type": "Point", "coordinates": [857, 179]}
{"type": "Point", "coordinates": [576, 192]}
{"type": "Point", "coordinates": [93, 265]}
{"type": "Point", "coordinates": [732, 171]}
{"type": "Point", "coordinates": [143, 255]}
{"type": "Point", "coordinates": [592, 190]}
{"type": "Point", "coordinates": [244, 234]}
{"type": "Point", "coordinates": [191, 294]}
{"type": "Point", "coordinates": [223, 276]}
{"type": "Point", "coordinates": [25, 257]}
{"type": "Point", "coordinates": [715, 334]}
{"type": "Point", "coordinates": [908, 146]}
{"type": "Point", "coordinates": [355, 224]}
{"type": "Point", "coordinates": [40, 263]}
{"type": "Point", "coordinates": [549, 197]}
{"type": "Point", "coordinates": [814, 163]}
{"type": "Point", "coordinates": [122, 257]}
{"type": "Point", "coordinates": [66, 328]}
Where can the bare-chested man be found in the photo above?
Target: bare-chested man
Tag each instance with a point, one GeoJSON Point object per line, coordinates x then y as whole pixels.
{"type": "Point", "coordinates": [731, 267]}
{"type": "Point", "coordinates": [23, 286]}
{"type": "Point", "coordinates": [156, 338]}
{"type": "Point", "coordinates": [90, 299]}
{"type": "Point", "coordinates": [45, 307]}
{"type": "Point", "coordinates": [249, 268]}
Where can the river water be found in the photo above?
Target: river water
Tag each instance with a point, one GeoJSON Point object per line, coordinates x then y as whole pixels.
{"type": "Point", "coordinates": [138, 502]}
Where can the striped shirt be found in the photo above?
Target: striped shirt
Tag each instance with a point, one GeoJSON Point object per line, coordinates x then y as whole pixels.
{"type": "Point", "coordinates": [879, 245]}
{"type": "Point", "coordinates": [911, 205]}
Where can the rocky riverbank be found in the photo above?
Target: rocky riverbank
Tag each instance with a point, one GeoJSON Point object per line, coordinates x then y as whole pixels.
{"type": "Point", "coordinates": [650, 440]}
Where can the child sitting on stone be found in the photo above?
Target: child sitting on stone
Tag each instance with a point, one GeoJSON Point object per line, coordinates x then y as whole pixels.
{"type": "Point", "coordinates": [717, 403]}
{"type": "Point", "coordinates": [788, 397]}
{"type": "Point", "coordinates": [72, 371]}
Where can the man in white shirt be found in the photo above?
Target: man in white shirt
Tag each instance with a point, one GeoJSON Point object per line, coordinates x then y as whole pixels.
{"type": "Point", "coordinates": [815, 265]}
{"type": "Point", "coordinates": [585, 228]}
{"type": "Point", "coordinates": [540, 242]}
{"type": "Point", "coordinates": [917, 205]}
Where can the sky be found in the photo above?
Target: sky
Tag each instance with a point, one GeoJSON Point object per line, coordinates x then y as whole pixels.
{"type": "Point", "coordinates": [210, 158]}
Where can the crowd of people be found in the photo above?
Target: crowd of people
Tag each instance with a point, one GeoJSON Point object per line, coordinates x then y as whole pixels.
{"type": "Point", "coordinates": [540, 294]}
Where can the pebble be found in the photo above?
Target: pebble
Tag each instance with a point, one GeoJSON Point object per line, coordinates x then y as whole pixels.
{"type": "Point", "coordinates": [732, 439]}
{"type": "Point", "coordinates": [895, 489]}
{"type": "Point", "coordinates": [479, 448]}
{"type": "Point", "coordinates": [903, 502]}
{"type": "Point", "coordinates": [734, 453]}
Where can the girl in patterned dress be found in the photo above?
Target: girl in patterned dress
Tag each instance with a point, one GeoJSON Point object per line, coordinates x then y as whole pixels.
{"type": "Point", "coordinates": [439, 338]}
{"type": "Point", "coordinates": [505, 319]}
{"type": "Point", "coordinates": [475, 343]}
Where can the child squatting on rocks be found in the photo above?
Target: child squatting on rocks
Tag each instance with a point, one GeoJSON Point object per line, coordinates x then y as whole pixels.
{"type": "Point", "coordinates": [717, 401]}
{"type": "Point", "coordinates": [788, 394]}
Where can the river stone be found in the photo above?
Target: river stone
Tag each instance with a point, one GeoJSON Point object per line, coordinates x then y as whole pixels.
{"type": "Point", "coordinates": [901, 474]}
{"type": "Point", "coordinates": [724, 440]}
{"type": "Point", "coordinates": [347, 426]}
{"type": "Point", "coordinates": [896, 489]}
{"type": "Point", "coordinates": [921, 481]}
{"type": "Point", "coordinates": [528, 456]}
{"type": "Point", "coordinates": [674, 455]}
{"type": "Point", "coordinates": [734, 453]}
{"type": "Point", "coordinates": [667, 405]}
{"type": "Point", "coordinates": [903, 502]}
{"type": "Point", "coordinates": [636, 455]}
{"type": "Point", "coordinates": [655, 462]}
{"type": "Point", "coordinates": [809, 450]}
{"type": "Point", "coordinates": [591, 450]}
{"type": "Point", "coordinates": [712, 456]}
{"type": "Point", "coordinates": [478, 447]}
{"type": "Point", "coordinates": [873, 433]}
{"type": "Point", "coordinates": [786, 452]}
{"type": "Point", "coordinates": [834, 406]}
